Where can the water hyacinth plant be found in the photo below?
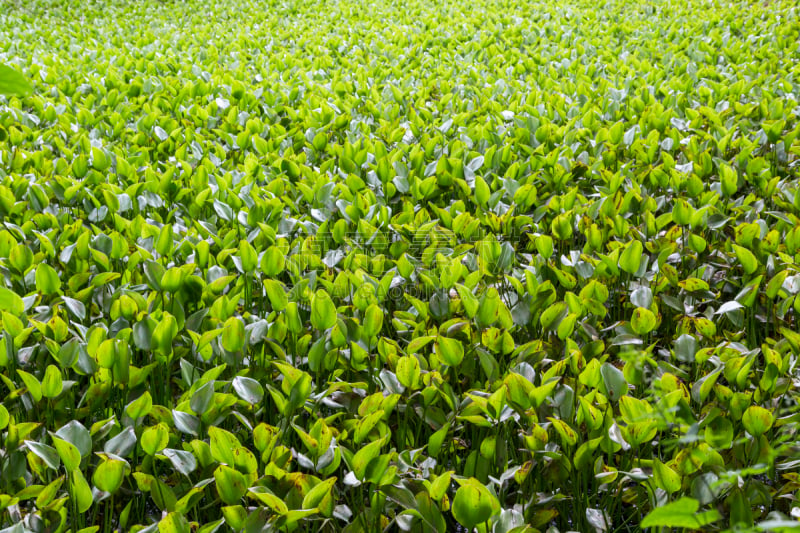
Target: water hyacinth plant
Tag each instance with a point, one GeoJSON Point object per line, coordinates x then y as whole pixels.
{"type": "Point", "coordinates": [356, 266]}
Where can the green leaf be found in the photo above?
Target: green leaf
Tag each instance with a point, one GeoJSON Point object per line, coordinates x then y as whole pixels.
{"type": "Point", "coordinates": [163, 335]}
{"type": "Point", "coordinates": [47, 280]}
{"type": "Point", "coordinates": [266, 497]}
{"type": "Point", "coordinates": [143, 333]}
{"type": "Point", "coordinates": [685, 348]}
{"type": "Point", "coordinates": [680, 513]}
{"type": "Point", "coordinates": [183, 461]}
{"type": "Point", "coordinates": [482, 191]}
{"type": "Point", "coordinates": [643, 321]}
{"type": "Point", "coordinates": [231, 485]}
{"type": "Point", "coordinates": [719, 432]}
{"type": "Point", "coordinates": [154, 273]}
{"type": "Point", "coordinates": [76, 434]}
{"type": "Point", "coordinates": [11, 302]}
{"type": "Point", "coordinates": [362, 457]}
{"type": "Point", "coordinates": [538, 395]}
{"type": "Point", "coordinates": [32, 384]}
{"type": "Point", "coordinates": [682, 212]}
{"type": "Point", "coordinates": [109, 475]}
{"type": "Point", "coordinates": [173, 279]}
{"type": "Point", "coordinates": [468, 300]}
{"type": "Point", "coordinates": [273, 261]}
{"type": "Point", "coordinates": [48, 494]}
{"type": "Point", "coordinates": [518, 390]}
{"type": "Point", "coordinates": [321, 497]}
{"type": "Point", "coordinates": [140, 407]}
{"type": "Point", "coordinates": [323, 312]}
{"type": "Point", "coordinates": [234, 335]}
{"type": "Point", "coordinates": [569, 437]}
{"type": "Point", "coordinates": [473, 504]}
{"type": "Point", "coordinates": [703, 387]}
{"type": "Point", "coordinates": [75, 307]}
{"type": "Point", "coordinates": [248, 256]}
{"type": "Point", "coordinates": [440, 485]}
{"type": "Point", "coordinates": [634, 410]}
{"type": "Point", "coordinates": [186, 422]}
{"type": "Point", "coordinates": [665, 478]}
{"type": "Point", "coordinates": [13, 83]}
{"type": "Point", "coordinates": [248, 389]}
{"type": "Point", "coordinates": [222, 445]}
{"type": "Point", "coordinates": [121, 445]}
{"type": "Point", "coordinates": [52, 384]}
{"type": "Point", "coordinates": [276, 294]}
{"type": "Point", "coordinates": [418, 343]}
{"type": "Point", "coordinates": [163, 495]}
{"type": "Point", "coordinates": [373, 321]}
{"type": "Point", "coordinates": [728, 179]}
{"type": "Point", "coordinates": [631, 257]}
{"type": "Point", "coordinates": [614, 381]}
{"type": "Point", "coordinates": [544, 245]}
{"type": "Point", "coordinates": [165, 241]}
{"type": "Point", "coordinates": [68, 453]}
{"type": "Point", "coordinates": [450, 350]}
{"type": "Point", "coordinates": [746, 259]}
{"type": "Point", "coordinates": [757, 420]}
{"type": "Point", "coordinates": [552, 316]}
{"type": "Point", "coordinates": [21, 258]}
{"type": "Point", "coordinates": [693, 285]}
{"type": "Point", "coordinates": [174, 523]}
{"type": "Point", "coordinates": [201, 399]}
{"type": "Point", "coordinates": [46, 453]}
{"type": "Point", "coordinates": [408, 371]}
{"type": "Point", "coordinates": [80, 491]}
{"type": "Point", "coordinates": [436, 440]}
{"type": "Point", "coordinates": [489, 307]}
{"type": "Point", "coordinates": [566, 326]}
{"type": "Point", "coordinates": [154, 439]}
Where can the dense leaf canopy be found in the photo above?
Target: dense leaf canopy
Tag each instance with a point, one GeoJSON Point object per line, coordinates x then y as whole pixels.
{"type": "Point", "coordinates": [346, 265]}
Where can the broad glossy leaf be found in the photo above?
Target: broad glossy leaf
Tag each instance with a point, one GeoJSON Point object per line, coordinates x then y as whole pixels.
{"type": "Point", "coordinates": [473, 504]}
{"type": "Point", "coordinates": [614, 381]}
{"type": "Point", "coordinates": [13, 83]}
{"type": "Point", "coordinates": [46, 453]}
{"type": "Point", "coordinates": [154, 439]}
{"type": "Point", "coordinates": [233, 334]}
{"type": "Point", "coordinates": [122, 444]}
{"type": "Point", "coordinates": [321, 497]}
{"type": "Point", "coordinates": [231, 485]}
{"type": "Point", "coordinates": [174, 523]}
{"type": "Point", "coordinates": [323, 312]}
{"type": "Point", "coordinates": [76, 434]}
{"type": "Point", "coordinates": [373, 321]}
{"type": "Point", "coordinates": [248, 389]}
{"type": "Point", "coordinates": [643, 321]}
{"type": "Point", "coordinates": [109, 475]}
{"type": "Point", "coordinates": [47, 280]}
{"type": "Point", "coordinates": [363, 456]}
{"type": "Point", "coordinates": [140, 407]}
{"type": "Point", "coordinates": [757, 420]}
{"type": "Point", "coordinates": [450, 350]}
{"type": "Point", "coordinates": [276, 294]}
{"type": "Point", "coordinates": [68, 453]}
{"type": "Point", "coordinates": [11, 302]}
{"type": "Point", "coordinates": [52, 383]}
{"type": "Point", "coordinates": [408, 371]}
{"type": "Point", "coordinates": [681, 513]}
{"type": "Point", "coordinates": [631, 257]}
{"type": "Point", "coordinates": [80, 491]}
{"type": "Point", "coordinates": [183, 461]}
